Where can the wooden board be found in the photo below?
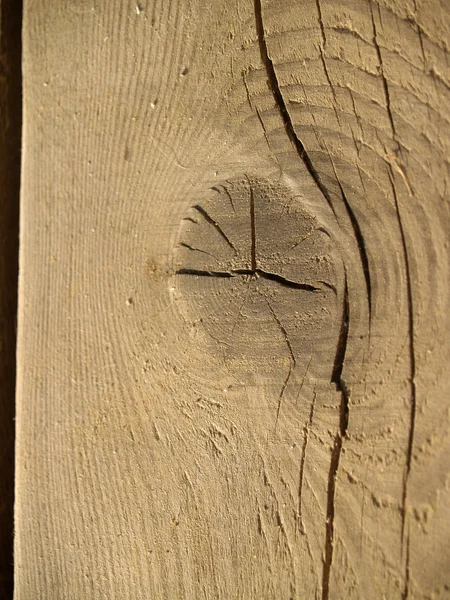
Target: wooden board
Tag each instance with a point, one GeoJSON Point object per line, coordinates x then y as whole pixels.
{"type": "Point", "coordinates": [234, 301]}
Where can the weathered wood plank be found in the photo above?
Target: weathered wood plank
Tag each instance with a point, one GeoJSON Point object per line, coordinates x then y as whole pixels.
{"type": "Point", "coordinates": [233, 297]}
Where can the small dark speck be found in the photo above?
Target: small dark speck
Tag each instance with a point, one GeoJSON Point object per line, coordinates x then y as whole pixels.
{"type": "Point", "coordinates": [185, 71]}
{"type": "Point", "coordinates": [130, 301]}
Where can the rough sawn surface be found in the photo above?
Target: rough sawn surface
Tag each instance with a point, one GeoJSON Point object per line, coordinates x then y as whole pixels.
{"type": "Point", "coordinates": [233, 303]}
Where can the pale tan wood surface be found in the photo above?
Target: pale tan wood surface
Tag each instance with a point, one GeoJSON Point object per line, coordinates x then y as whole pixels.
{"type": "Point", "coordinates": [234, 301]}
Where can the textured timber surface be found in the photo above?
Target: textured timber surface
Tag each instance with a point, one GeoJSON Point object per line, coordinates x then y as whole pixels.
{"type": "Point", "coordinates": [233, 303]}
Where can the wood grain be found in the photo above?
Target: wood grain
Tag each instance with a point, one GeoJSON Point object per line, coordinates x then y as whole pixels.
{"type": "Point", "coordinates": [192, 422]}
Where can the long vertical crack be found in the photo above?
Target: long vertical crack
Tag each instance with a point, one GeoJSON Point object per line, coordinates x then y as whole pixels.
{"type": "Point", "coordinates": [343, 338]}
{"type": "Point", "coordinates": [279, 100]}
{"type": "Point", "coordinates": [341, 386]}
{"type": "Point", "coordinates": [413, 401]}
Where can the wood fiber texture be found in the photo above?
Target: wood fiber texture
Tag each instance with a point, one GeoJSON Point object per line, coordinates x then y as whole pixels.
{"type": "Point", "coordinates": [233, 302]}
{"type": "Point", "coordinates": [10, 122]}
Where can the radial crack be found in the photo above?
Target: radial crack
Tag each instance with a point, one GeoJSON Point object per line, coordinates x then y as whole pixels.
{"type": "Point", "coordinates": [305, 237]}
{"type": "Point", "coordinates": [287, 282]}
{"type": "Point", "coordinates": [229, 198]}
{"type": "Point", "coordinates": [200, 273]}
{"type": "Point", "coordinates": [184, 245]}
{"type": "Point", "coordinates": [258, 272]}
{"type": "Point", "coordinates": [214, 223]}
{"type": "Point", "coordinates": [215, 188]}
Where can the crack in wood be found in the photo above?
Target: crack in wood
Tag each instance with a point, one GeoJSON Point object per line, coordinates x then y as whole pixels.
{"type": "Point", "coordinates": [339, 360]}
{"type": "Point", "coordinates": [188, 247]}
{"type": "Point", "coordinates": [306, 428]}
{"type": "Point", "coordinates": [282, 107]}
{"type": "Point", "coordinates": [322, 57]}
{"type": "Point", "coordinates": [359, 240]}
{"type": "Point", "coordinates": [260, 119]}
{"type": "Point", "coordinates": [305, 237]}
{"type": "Point", "coordinates": [405, 593]}
{"type": "Point", "coordinates": [200, 273]}
{"type": "Point", "coordinates": [214, 223]}
{"type": "Point", "coordinates": [227, 193]}
{"type": "Point", "coordinates": [330, 286]}
{"type": "Point", "coordinates": [253, 228]}
{"type": "Point", "coordinates": [292, 357]}
{"type": "Point", "coordinates": [413, 398]}
{"type": "Point", "coordinates": [383, 76]}
{"type": "Point", "coordinates": [256, 273]}
{"type": "Point", "coordinates": [191, 220]}
{"type": "Point", "coordinates": [361, 247]}
{"type": "Point", "coordinates": [329, 525]}
{"type": "Point", "coordinates": [338, 441]}
{"type": "Point", "coordinates": [343, 338]}
{"type": "Point", "coordinates": [283, 331]}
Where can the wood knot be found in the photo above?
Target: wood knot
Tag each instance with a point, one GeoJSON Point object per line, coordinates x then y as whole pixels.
{"type": "Point", "coordinates": [261, 276]}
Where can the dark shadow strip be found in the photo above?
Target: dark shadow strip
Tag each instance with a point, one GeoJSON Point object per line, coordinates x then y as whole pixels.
{"type": "Point", "coordinates": [10, 159]}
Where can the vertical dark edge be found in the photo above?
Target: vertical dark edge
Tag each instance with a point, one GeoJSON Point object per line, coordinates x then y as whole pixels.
{"type": "Point", "coordinates": [10, 151]}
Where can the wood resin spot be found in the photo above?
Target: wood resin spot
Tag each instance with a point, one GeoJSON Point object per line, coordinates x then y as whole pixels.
{"type": "Point", "coordinates": [262, 277]}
